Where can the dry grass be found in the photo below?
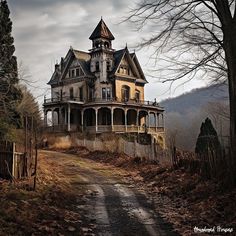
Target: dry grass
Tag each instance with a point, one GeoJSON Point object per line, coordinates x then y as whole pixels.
{"type": "Point", "coordinates": [186, 200]}
{"type": "Point", "coordinates": [51, 210]}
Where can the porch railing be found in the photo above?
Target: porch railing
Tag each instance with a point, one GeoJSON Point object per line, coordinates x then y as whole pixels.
{"type": "Point", "coordinates": [105, 128]}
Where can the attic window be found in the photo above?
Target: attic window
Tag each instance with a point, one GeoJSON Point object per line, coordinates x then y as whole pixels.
{"type": "Point", "coordinates": [72, 73]}
{"type": "Point", "coordinates": [124, 70]}
{"type": "Point", "coordinates": [79, 72]}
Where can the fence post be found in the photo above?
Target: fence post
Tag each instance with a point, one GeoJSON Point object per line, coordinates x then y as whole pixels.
{"type": "Point", "coordinates": [13, 159]}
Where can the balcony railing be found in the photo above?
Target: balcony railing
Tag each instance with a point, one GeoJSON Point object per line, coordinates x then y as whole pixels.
{"type": "Point", "coordinates": [121, 100]}
{"type": "Point", "coordinates": [101, 100]}
{"type": "Point", "coordinates": [63, 99]}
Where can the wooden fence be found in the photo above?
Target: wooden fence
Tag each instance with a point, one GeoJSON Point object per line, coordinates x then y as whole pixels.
{"type": "Point", "coordinates": [13, 164]}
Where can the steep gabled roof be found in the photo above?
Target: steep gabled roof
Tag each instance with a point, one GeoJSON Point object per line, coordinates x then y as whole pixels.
{"type": "Point", "coordinates": [101, 31]}
{"type": "Point", "coordinates": [83, 59]}
{"type": "Point", "coordinates": [133, 61]}
{"type": "Point", "coordinates": [136, 62]}
{"type": "Point", "coordinates": [118, 55]}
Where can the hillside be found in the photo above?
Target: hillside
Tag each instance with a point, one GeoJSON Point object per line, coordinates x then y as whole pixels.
{"type": "Point", "coordinates": [196, 99]}
{"type": "Point", "coordinates": [185, 113]}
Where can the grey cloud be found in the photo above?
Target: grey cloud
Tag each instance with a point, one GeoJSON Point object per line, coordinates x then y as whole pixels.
{"type": "Point", "coordinates": [45, 29]}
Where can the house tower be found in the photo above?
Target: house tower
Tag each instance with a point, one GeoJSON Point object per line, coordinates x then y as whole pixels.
{"type": "Point", "coordinates": [101, 52]}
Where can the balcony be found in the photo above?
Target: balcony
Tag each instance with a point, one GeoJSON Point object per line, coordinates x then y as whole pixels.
{"type": "Point", "coordinates": [63, 99]}
{"type": "Point", "coordinates": [78, 100]}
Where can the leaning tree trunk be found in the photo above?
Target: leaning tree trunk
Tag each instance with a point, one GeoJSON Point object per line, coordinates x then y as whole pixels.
{"type": "Point", "coordinates": [230, 55]}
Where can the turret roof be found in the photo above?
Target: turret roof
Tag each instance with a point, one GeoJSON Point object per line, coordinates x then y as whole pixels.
{"type": "Point", "coordinates": [101, 31]}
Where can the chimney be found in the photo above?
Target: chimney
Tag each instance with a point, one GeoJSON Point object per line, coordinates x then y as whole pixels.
{"type": "Point", "coordinates": [56, 67]}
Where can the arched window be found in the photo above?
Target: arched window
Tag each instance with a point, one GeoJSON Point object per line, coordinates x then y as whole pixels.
{"type": "Point", "coordinates": [125, 93]}
{"type": "Point", "coordinates": [137, 95]}
{"type": "Point", "coordinates": [97, 66]}
{"type": "Point", "coordinates": [106, 45]}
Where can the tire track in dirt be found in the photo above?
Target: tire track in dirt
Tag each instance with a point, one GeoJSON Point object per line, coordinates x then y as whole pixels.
{"type": "Point", "coordinates": [114, 206]}
{"type": "Point", "coordinates": [125, 214]}
{"type": "Point", "coordinates": [120, 222]}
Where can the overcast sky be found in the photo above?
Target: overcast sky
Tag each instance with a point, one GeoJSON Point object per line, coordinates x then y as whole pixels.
{"type": "Point", "coordinates": [45, 29]}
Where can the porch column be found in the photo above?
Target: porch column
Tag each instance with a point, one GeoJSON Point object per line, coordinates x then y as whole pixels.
{"type": "Point", "coordinates": [60, 117]}
{"type": "Point", "coordinates": [149, 121]}
{"type": "Point", "coordinates": [156, 124]}
{"type": "Point", "coordinates": [125, 120]}
{"type": "Point", "coordinates": [162, 120]}
{"type": "Point", "coordinates": [112, 114]}
{"type": "Point", "coordinates": [65, 117]}
{"type": "Point", "coordinates": [96, 112]}
{"type": "Point", "coordinates": [68, 118]}
{"type": "Point", "coordinates": [45, 119]}
{"type": "Point", "coordinates": [82, 120]}
{"type": "Point", "coordinates": [53, 120]}
{"type": "Point", "coordinates": [137, 116]}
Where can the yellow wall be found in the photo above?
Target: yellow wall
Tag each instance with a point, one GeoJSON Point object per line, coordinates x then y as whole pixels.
{"type": "Point", "coordinates": [132, 86]}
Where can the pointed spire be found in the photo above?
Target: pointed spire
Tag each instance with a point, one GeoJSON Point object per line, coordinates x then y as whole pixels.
{"type": "Point", "coordinates": [101, 31]}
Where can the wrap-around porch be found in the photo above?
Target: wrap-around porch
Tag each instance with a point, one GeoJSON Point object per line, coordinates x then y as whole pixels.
{"type": "Point", "coordinates": [98, 119]}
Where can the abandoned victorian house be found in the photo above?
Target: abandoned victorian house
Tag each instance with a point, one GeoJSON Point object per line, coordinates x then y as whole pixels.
{"type": "Point", "coordinates": [101, 91]}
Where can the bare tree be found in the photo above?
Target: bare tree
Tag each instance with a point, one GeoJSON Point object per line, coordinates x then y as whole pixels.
{"type": "Point", "coordinates": [200, 36]}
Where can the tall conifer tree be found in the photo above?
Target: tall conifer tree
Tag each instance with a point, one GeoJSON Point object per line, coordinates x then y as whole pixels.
{"type": "Point", "coordinates": [207, 139]}
{"type": "Point", "coordinates": [10, 95]}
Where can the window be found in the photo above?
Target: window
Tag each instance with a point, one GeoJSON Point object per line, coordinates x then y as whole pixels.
{"type": "Point", "coordinates": [106, 93]}
{"type": "Point", "coordinates": [97, 66]}
{"type": "Point", "coordinates": [91, 94]}
{"type": "Point", "coordinates": [81, 95]}
{"type": "Point", "coordinates": [77, 72]}
{"type": "Point", "coordinates": [108, 65]}
{"type": "Point", "coordinates": [72, 73]}
{"type": "Point", "coordinates": [137, 96]}
{"type": "Point", "coordinates": [124, 70]}
{"type": "Point", "coordinates": [71, 93]}
{"type": "Point", "coordinates": [106, 45]}
{"type": "Point", "coordinates": [125, 91]}
{"type": "Point", "coordinates": [103, 93]}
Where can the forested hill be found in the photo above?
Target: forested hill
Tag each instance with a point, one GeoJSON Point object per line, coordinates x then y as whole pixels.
{"type": "Point", "coordinates": [196, 99]}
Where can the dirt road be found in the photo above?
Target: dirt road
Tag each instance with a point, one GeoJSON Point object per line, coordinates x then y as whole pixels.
{"type": "Point", "coordinates": [115, 206]}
